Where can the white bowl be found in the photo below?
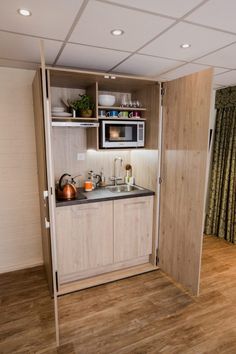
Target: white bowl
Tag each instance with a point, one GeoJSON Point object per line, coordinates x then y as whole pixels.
{"type": "Point", "coordinates": [106, 100]}
{"type": "Point", "coordinates": [58, 109]}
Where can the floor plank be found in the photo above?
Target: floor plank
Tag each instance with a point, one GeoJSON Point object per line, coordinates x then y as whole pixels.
{"type": "Point", "coordinates": [143, 314]}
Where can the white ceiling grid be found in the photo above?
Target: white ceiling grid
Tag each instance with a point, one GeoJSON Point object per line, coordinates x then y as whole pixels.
{"type": "Point", "coordinates": [77, 34]}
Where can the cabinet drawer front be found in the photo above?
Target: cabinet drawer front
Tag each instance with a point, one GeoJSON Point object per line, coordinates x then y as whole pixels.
{"type": "Point", "coordinates": [133, 220]}
{"type": "Point", "coordinates": [84, 237]}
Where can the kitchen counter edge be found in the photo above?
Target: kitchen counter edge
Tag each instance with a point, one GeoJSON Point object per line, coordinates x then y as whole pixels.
{"type": "Point", "coordinates": [114, 196]}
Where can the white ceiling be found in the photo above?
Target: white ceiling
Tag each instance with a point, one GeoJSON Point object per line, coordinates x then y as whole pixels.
{"type": "Point", "coordinates": [76, 33]}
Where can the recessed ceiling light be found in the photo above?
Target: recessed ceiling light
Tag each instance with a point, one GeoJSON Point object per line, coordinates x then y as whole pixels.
{"type": "Point", "coordinates": [24, 12]}
{"type": "Point", "coordinates": [117, 32]}
{"type": "Point", "coordinates": [185, 45]}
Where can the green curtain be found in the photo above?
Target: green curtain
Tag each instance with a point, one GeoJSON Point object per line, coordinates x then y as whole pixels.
{"type": "Point", "coordinates": [221, 214]}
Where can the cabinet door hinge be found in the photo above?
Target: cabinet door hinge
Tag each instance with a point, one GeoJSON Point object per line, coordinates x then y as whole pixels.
{"type": "Point", "coordinates": [47, 223]}
{"type": "Point", "coordinates": [56, 277]}
{"type": "Point", "coordinates": [46, 76]}
{"type": "Point", "coordinates": [163, 91]}
{"type": "Point", "coordinates": [157, 257]}
{"type": "Point", "coordinates": [160, 180]}
{"type": "Point", "coordinates": [45, 194]}
{"type": "Point", "coordinates": [46, 79]}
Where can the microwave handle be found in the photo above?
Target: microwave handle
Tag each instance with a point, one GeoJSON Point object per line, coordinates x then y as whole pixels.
{"type": "Point", "coordinates": [141, 129]}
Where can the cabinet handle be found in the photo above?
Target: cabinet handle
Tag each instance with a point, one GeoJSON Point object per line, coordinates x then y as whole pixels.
{"type": "Point", "coordinates": [77, 212]}
{"type": "Point", "coordinates": [135, 203]}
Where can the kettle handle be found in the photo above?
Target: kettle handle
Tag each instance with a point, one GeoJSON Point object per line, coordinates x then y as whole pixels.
{"type": "Point", "coordinates": [60, 180]}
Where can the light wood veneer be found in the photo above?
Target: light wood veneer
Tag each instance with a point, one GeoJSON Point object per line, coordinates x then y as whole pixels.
{"type": "Point", "coordinates": [186, 111]}
{"type": "Point", "coordinates": [132, 228]}
{"type": "Point", "coordinates": [84, 237]}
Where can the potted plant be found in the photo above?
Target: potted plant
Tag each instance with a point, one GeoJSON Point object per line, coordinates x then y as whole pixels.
{"type": "Point", "coordinates": [83, 106]}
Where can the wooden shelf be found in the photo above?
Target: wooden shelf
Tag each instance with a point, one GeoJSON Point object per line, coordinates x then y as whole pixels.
{"type": "Point", "coordinates": [121, 118]}
{"type": "Point", "coordinates": [73, 119]}
{"type": "Point", "coordinates": [74, 122]}
{"type": "Point", "coordinates": [122, 108]}
{"type": "Point", "coordinates": [105, 278]}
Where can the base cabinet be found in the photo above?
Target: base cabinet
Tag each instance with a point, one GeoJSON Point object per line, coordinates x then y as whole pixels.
{"type": "Point", "coordinates": [102, 237]}
{"type": "Point", "coordinates": [132, 228]}
{"type": "Point", "coordinates": [84, 237]}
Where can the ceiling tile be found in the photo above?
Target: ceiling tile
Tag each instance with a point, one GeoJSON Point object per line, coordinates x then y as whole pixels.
{"type": "Point", "coordinates": [218, 71]}
{"type": "Point", "coordinates": [202, 42]}
{"type": "Point", "coordinates": [86, 57]}
{"type": "Point", "coordinates": [217, 87]}
{"type": "Point", "coordinates": [184, 70]}
{"type": "Point", "coordinates": [164, 7]}
{"type": "Point", "coordinates": [224, 57]}
{"type": "Point", "coordinates": [216, 13]}
{"type": "Point", "coordinates": [50, 19]}
{"type": "Point", "coordinates": [226, 79]}
{"type": "Point", "coordinates": [187, 69]}
{"type": "Point", "coordinates": [99, 19]}
{"type": "Point", "coordinates": [146, 66]}
{"type": "Point", "coordinates": [18, 47]}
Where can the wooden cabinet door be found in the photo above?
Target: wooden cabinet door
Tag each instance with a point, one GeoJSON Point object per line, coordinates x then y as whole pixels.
{"type": "Point", "coordinates": [84, 237]}
{"type": "Point", "coordinates": [132, 228]}
{"type": "Point", "coordinates": [42, 175]}
{"type": "Point", "coordinates": [186, 111]}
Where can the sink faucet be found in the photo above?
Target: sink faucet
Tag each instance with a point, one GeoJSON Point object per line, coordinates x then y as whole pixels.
{"type": "Point", "coordinates": [116, 177]}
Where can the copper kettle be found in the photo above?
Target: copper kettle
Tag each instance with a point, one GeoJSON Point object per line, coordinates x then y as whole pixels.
{"type": "Point", "coordinates": [66, 191]}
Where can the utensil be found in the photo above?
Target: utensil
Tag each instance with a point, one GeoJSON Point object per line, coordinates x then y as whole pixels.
{"type": "Point", "coordinates": [124, 100]}
{"type": "Point", "coordinates": [61, 114]}
{"type": "Point", "coordinates": [112, 114]}
{"type": "Point", "coordinates": [58, 109]}
{"type": "Point", "coordinates": [66, 191]}
{"type": "Point", "coordinates": [102, 113]}
{"type": "Point", "coordinates": [124, 114]}
{"type": "Point", "coordinates": [134, 114]}
{"type": "Point", "coordinates": [106, 100]}
{"type": "Point", "coordinates": [94, 178]}
{"type": "Point", "coordinates": [88, 186]}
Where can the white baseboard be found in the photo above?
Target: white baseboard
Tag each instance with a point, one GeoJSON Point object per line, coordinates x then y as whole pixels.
{"type": "Point", "coordinates": [12, 268]}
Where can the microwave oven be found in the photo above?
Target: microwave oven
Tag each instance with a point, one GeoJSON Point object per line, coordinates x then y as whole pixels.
{"type": "Point", "coordinates": [121, 134]}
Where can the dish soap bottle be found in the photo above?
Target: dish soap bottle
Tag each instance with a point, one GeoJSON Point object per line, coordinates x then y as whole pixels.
{"type": "Point", "coordinates": [103, 179]}
{"type": "Point", "coordinates": [128, 169]}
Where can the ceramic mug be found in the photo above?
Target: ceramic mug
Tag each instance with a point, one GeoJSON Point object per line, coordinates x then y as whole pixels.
{"type": "Point", "coordinates": [102, 113]}
{"type": "Point", "coordinates": [88, 186]}
{"type": "Point", "coordinates": [112, 114]}
{"type": "Point", "coordinates": [123, 114]}
{"type": "Point", "coordinates": [134, 114]}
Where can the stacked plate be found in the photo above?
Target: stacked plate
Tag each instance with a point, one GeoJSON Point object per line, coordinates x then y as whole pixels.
{"type": "Point", "coordinates": [60, 112]}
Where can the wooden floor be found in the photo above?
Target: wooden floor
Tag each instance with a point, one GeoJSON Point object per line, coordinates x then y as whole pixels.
{"type": "Point", "coordinates": [143, 314]}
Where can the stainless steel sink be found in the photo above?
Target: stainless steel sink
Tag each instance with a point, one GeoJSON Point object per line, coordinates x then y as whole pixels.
{"type": "Point", "coordinates": [123, 188]}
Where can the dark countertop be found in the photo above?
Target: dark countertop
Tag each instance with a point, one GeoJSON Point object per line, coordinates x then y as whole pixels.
{"type": "Point", "coordinates": [102, 194]}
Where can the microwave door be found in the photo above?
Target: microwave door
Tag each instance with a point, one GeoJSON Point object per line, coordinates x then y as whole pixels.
{"type": "Point", "coordinates": [117, 134]}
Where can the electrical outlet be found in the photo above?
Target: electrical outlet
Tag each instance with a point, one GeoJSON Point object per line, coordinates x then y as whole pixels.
{"type": "Point", "coordinates": [81, 156]}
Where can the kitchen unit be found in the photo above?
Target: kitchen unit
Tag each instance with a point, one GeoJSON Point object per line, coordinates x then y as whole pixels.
{"type": "Point", "coordinates": [106, 238]}
{"type": "Point", "coordinates": [100, 221]}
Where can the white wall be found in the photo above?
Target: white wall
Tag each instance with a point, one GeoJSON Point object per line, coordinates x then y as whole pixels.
{"type": "Point", "coordinates": [20, 234]}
